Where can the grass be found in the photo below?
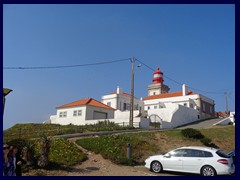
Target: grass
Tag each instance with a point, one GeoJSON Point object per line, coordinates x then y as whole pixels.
{"type": "Point", "coordinates": [64, 153]}
{"type": "Point", "coordinates": [150, 143]}
{"type": "Point", "coordinates": [31, 130]}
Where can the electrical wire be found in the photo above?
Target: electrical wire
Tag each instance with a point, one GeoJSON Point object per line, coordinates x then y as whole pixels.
{"type": "Point", "coordinates": [179, 83]}
{"type": "Point", "coordinates": [67, 66]}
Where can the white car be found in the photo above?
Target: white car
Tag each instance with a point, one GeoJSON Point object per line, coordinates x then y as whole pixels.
{"type": "Point", "coordinates": [198, 160]}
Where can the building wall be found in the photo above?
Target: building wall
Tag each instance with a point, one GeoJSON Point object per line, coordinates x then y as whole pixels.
{"type": "Point", "coordinates": [174, 115]}
{"type": "Point", "coordinates": [195, 101]}
{"type": "Point", "coordinates": [87, 114]}
{"type": "Point", "coordinates": [90, 113]}
{"type": "Point", "coordinates": [117, 102]}
{"type": "Point", "coordinates": [76, 120]}
{"type": "Point", "coordinates": [124, 115]}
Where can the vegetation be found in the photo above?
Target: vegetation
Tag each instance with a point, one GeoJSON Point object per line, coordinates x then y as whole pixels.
{"type": "Point", "coordinates": [150, 143]}
{"type": "Point", "coordinates": [192, 133]}
{"type": "Point", "coordinates": [63, 153]}
{"type": "Point", "coordinates": [48, 153]}
{"type": "Point", "coordinates": [31, 130]}
{"type": "Point", "coordinates": [115, 147]}
{"type": "Point", "coordinates": [43, 160]}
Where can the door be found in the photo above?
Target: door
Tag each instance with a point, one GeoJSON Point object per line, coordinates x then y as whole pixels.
{"type": "Point", "coordinates": [99, 115]}
{"type": "Point", "coordinates": [193, 160]}
{"type": "Point", "coordinates": [174, 162]}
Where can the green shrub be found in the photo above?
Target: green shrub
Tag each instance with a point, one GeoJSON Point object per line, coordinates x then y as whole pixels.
{"type": "Point", "coordinates": [206, 141]}
{"type": "Point", "coordinates": [192, 133]}
{"type": "Point", "coordinates": [115, 148]}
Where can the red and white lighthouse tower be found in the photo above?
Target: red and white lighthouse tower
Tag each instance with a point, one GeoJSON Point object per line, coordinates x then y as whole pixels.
{"type": "Point", "coordinates": [157, 87]}
{"type": "Point", "coordinates": [158, 77]}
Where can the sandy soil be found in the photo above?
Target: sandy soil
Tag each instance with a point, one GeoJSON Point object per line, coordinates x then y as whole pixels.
{"type": "Point", "coordinates": [95, 165]}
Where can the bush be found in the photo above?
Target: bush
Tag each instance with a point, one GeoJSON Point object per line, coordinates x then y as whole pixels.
{"type": "Point", "coordinates": [206, 141]}
{"type": "Point", "coordinates": [192, 133]}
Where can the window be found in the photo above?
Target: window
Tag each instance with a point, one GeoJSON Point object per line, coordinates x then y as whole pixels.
{"type": "Point", "coordinates": [124, 106]}
{"type": "Point", "coordinates": [204, 107]}
{"type": "Point", "coordinates": [185, 104]}
{"type": "Point", "coordinates": [178, 153]}
{"type": "Point", "coordinates": [154, 93]}
{"type": "Point", "coordinates": [221, 154]}
{"type": "Point", "coordinates": [63, 114]}
{"type": "Point", "coordinates": [109, 103]}
{"type": "Point", "coordinates": [191, 105]}
{"type": "Point", "coordinates": [197, 153]}
{"type": "Point", "coordinates": [211, 109]}
{"type": "Point", "coordinates": [208, 154]}
{"type": "Point", "coordinates": [77, 113]}
{"type": "Point", "coordinates": [148, 107]}
{"type": "Point", "coordinates": [136, 107]}
{"type": "Point", "coordinates": [155, 107]}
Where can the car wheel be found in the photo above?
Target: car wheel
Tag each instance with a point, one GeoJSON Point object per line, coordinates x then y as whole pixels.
{"type": "Point", "coordinates": [208, 171]}
{"type": "Point", "coordinates": [156, 167]}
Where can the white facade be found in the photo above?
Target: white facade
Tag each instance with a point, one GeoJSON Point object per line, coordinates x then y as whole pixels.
{"type": "Point", "coordinates": [121, 101]}
{"type": "Point", "coordinates": [173, 115]}
{"type": "Point", "coordinates": [203, 105]}
{"type": "Point", "coordinates": [170, 110]}
{"type": "Point", "coordinates": [82, 113]}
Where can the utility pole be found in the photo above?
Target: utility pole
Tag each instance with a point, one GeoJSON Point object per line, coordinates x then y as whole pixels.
{"type": "Point", "coordinates": [226, 102]}
{"type": "Point", "coordinates": [132, 94]}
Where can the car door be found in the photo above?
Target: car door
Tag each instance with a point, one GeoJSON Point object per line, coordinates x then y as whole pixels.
{"type": "Point", "coordinates": [193, 160]}
{"type": "Point", "coordinates": [173, 160]}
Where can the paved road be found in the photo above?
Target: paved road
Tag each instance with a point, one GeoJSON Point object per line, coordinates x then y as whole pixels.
{"type": "Point", "coordinates": [201, 124]}
{"type": "Point", "coordinates": [197, 125]}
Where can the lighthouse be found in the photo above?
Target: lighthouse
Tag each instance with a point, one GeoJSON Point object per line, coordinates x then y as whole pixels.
{"type": "Point", "coordinates": [158, 77]}
{"type": "Point", "coordinates": [157, 87]}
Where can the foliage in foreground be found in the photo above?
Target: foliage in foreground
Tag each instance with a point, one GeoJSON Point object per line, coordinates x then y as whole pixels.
{"type": "Point", "coordinates": [115, 148]}
{"type": "Point", "coordinates": [62, 153]}
{"type": "Point", "coordinates": [33, 130]}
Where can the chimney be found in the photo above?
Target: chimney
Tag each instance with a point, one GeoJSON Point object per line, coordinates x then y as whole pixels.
{"type": "Point", "coordinates": [119, 90]}
{"type": "Point", "coordinates": [184, 90]}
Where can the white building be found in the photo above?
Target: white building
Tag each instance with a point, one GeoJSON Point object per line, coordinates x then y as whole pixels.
{"type": "Point", "coordinates": [203, 104]}
{"type": "Point", "coordinates": [176, 108]}
{"type": "Point", "coordinates": [82, 112]}
{"type": "Point", "coordinates": [121, 101]}
{"type": "Point", "coordinates": [169, 109]}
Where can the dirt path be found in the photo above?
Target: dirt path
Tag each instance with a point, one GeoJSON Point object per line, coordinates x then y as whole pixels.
{"type": "Point", "coordinates": [95, 165]}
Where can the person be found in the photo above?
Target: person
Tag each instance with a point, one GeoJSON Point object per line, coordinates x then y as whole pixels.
{"type": "Point", "coordinates": [13, 163]}
{"type": "Point", "coordinates": [5, 158]}
{"type": "Point", "coordinates": [19, 162]}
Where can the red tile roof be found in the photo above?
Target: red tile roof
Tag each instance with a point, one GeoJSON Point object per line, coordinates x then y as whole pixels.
{"type": "Point", "coordinates": [167, 95]}
{"type": "Point", "coordinates": [86, 102]}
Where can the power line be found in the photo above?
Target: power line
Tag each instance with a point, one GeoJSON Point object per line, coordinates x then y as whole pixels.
{"type": "Point", "coordinates": [67, 66]}
{"type": "Point", "coordinates": [179, 83]}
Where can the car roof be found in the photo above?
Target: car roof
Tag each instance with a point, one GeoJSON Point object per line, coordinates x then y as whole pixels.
{"type": "Point", "coordinates": [199, 148]}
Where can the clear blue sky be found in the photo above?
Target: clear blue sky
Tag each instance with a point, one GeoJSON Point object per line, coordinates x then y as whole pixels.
{"type": "Point", "coordinates": [192, 44]}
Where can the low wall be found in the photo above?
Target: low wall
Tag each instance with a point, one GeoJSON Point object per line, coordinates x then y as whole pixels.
{"type": "Point", "coordinates": [138, 122]}
{"type": "Point", "coordinates": [175, 115]}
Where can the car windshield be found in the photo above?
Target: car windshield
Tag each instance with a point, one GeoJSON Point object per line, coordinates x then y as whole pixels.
{"type": "Point", "coordinates": [221, 154]}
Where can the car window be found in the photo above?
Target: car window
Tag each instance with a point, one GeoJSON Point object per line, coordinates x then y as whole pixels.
{"type": "Point", "coordinates": [195, 153]}
{"type": "Point", "coordinates": [178, 153]}
{"type": "Point", "coordinates": [221, 154]}
{"type": "Point", "coordinates": [208, 154]}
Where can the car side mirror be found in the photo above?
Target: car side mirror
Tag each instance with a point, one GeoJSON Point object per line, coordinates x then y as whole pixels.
{"type": "Point", "coordinates": [167, 155]}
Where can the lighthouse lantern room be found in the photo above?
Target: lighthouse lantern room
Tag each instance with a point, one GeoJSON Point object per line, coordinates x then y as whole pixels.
{"type": "Point", "coordinates": [157, 76]}
{"type": "Point", "coordinates": [157, 87]}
